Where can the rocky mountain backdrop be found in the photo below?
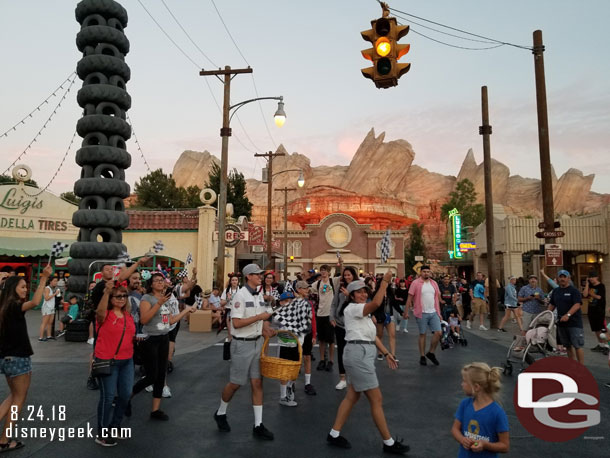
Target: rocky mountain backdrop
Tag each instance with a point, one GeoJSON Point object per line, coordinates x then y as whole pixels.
{"type": "Point", "coordinates": [383, 192]}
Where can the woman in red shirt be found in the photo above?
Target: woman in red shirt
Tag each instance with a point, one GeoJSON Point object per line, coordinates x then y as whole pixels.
{"type": "Point", "coordinates": [116, 331]}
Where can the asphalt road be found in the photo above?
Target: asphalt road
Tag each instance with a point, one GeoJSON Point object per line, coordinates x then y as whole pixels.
{"type": "Point", "coordinates": [419, 404]}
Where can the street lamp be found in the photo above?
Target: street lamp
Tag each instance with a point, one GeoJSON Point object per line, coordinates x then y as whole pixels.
{"type": "Point", "coordinates": [225, 133]}
{"type": "Point", "coordinates": [308, 207]}
{"type": "Point", "coordinates": [301, 180]}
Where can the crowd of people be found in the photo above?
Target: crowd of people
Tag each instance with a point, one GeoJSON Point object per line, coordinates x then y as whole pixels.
{"type": "Point", "coordinates": [135, 317]}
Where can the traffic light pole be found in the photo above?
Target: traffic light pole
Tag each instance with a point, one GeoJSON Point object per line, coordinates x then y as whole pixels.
{"type": "Point", "coordinates": [225, 133]}
{"type": "Point", "coordinates": [485, 131]}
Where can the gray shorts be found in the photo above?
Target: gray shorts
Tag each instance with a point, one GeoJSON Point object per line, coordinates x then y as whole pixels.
{"type": "Point", "coordinates": [527, 318]}
{"type": "Point", "coordinates": [428, 321]}
{"type": "Point", "coordinates": [359, 362]}
{"type": "Point", "coordinates": [571, 337]}
{"type": "Point", "coordinates": [245, 360]}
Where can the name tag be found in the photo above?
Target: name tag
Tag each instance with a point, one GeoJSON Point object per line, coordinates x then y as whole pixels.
{"type": "Point", "coordinates": [250, 304]}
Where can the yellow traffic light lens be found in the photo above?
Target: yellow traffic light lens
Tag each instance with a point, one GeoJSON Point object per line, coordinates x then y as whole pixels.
{"type": "Point", "coordinates": [383, 46]}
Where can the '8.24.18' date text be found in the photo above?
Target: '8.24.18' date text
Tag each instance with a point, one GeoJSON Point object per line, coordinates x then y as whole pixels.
{"type": "Point", "coordinates": [39, 413]}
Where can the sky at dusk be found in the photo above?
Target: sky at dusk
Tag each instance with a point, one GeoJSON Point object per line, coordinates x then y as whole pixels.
{"type": "Point", "coordinates": [309, 52]}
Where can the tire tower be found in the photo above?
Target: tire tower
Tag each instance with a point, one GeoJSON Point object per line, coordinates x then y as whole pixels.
{"type": "Point", "coordinates": [103, 156]}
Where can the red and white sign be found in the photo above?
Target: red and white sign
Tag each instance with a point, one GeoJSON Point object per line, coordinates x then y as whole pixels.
{"type": "Point", "coordinates": [275, 245]}
{"type": "Point", "coordinates": [256, 235]}
{"type": "Point", "coordinates": [553, 254]}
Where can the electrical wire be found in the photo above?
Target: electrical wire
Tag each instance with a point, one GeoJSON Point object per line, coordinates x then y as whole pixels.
{"type": "Point", "coordinates": [45, 101]}
{"type": "Point", "coordinates": [455, 46]}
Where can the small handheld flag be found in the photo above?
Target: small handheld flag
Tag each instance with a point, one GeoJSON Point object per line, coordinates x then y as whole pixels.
{"type": "Point", "coordinates": [189, 258]}
{"type": "Point", "coordinates": [385, 246]}
{"type": "Point", "coordinates": [57, 249]}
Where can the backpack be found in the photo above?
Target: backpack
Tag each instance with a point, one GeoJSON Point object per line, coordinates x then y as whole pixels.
{"type": "Point", "coordinates": [315, 298]}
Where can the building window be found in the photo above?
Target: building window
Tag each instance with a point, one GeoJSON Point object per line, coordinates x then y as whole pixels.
{"type": "Point", "coordinates": [296, 248]}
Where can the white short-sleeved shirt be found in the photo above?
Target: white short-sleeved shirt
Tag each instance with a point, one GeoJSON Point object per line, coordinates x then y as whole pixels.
{"type": "Point", "coordinates": [246, 304]}
{"type": "Point", "coordinates": [358, 327]}
{"type": "Point", "coordinates": [223, 297]}
{"type": "Point", "coordinates": [427, 297]}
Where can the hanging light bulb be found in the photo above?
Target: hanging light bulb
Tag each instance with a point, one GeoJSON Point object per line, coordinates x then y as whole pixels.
{"type": "Point", "coordinates": [301, 179]}
{"type": "Point", "coordinates": [308, 207]}
{"type": "Point", "coordinates": [280, 114]}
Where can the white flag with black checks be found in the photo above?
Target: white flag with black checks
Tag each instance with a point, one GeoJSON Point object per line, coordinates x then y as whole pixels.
{"type": "Point", "coordinates": [183, 273]}
{"type": "Point", "coordinates": [189, 258]}
{"type": "Point", "coordinates": [58, 248]}
{"type": "Point", "coordinates": [385, 246]}
{"type": "Point", "coordinates": [158, 246]}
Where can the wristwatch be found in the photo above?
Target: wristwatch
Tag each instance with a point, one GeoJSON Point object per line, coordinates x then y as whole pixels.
{"type": "Point", "coordinates": [569, 314]}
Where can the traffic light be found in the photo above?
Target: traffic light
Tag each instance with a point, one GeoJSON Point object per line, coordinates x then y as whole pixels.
{"type": "Point", "coordinates": [386, 52]}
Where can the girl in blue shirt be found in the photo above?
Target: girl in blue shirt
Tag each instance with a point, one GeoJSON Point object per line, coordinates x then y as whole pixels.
{"type": "Point", "coordinates": [480, 425]}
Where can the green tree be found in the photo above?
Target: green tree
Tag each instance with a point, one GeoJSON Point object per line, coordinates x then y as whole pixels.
{"type": "Point", "coordinates": [159, 190]}
{"type": "Point", "coordinates": [5, 179]}
{"type": "Point", "coordinates": [415, 247]}
{"type": "Point", "coordinates": [236, 190]}
{"type": "Point", "coordinates": [70, 197]}
{"type": "Point", "coordinates": [464, 198]}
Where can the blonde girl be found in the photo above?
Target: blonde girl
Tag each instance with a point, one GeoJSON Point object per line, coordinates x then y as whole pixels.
{"type": "Point", "coordinates": [480, 425]}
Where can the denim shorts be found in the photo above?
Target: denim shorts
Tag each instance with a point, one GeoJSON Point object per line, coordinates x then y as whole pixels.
{"type": "Point", "coordinates": [428, 321]}
{"type": "Point", "coordinates": [571, 337]}
{"type": "Point", "coordinates": [14, 366]}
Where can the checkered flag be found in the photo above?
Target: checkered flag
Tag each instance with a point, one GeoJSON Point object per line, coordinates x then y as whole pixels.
{"type": "Point", "coordinates": [198, 301]}
{"type": "Point", "coordinates": [385, 246]}
{"type": "Point", "coordinates": [295, 317]}
{"type": "Point", "coordinates": [183, 273]}
{"type": "Point", "coordinates": [189, 258]}
{"type": "Point", "coordinates": [58, 248]}
{"type": "Point", "coordinates": [123, 257]}
{"type": "Point", "coordinates": [158, 246]}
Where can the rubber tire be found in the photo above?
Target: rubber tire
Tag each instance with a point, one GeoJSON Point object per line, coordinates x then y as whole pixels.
{"type": "Point", "coordinates": [108, 125]}
{"type": "Point", "coordinates": [98, 93]}
{"type": "Point", "coordinates": [100, 218]}
{"type": "Point", "coordinates": [80, 336]}
{"type": "Point", "coordinates": [117, 173]}
{"type": "Point", "coordinates": [108, 8]}
{"type": "Point", "coordinates": [95, 34]}
{"type": "Point", "coordinates": [100, 203]}
{"type": "Point", "coordinates": [78, 325]}
{"type": "Point", "coordinates": [96, 250]}
{"type": "Point", "coordinates": [101, 187]}
{"type": "Point", "coordinates": [113, 202]}
{"type": "Point", "coordinates": [113, 235]}
{"type": "Point", "coordinates": [78, 284]}
{"type": "Point", "coordinates": [80, 267]}
{"type": "Point", "coordinates": [107, 65]}
{"type": "Point", "coordinates": [103, 154]}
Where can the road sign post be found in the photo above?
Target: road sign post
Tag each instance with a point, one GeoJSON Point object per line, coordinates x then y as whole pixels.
{"type": "Point", "coordinates": [553, 255]}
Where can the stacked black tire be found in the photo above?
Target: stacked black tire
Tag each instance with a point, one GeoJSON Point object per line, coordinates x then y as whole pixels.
{"type": "Point", "coordinates": [103, 156]}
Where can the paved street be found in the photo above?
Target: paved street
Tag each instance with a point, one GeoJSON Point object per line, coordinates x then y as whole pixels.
{"type": "Point", "coordinates": [419, 404]}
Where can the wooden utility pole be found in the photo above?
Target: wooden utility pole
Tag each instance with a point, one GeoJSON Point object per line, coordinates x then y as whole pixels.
{"type": "Point", "coordinates": [225, 133]}
{"type": "Point", "coordinates": [485, 131]}
{"type": "Point", "coordinates": [285, 190]}
{"type": "Point", "coordinates": [546, 179]}
{"type": "Point", "coordinates": [269, 156]}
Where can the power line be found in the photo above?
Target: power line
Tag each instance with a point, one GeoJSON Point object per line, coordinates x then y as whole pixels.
{"type": "Point", "coordinates": [229, 33]}
{"type": "Point", "coordinates": [455, 46]}
{"type": "Point", "coordinates": [187, 35]}
{"type": "Point", "coordinates": [45, 101]}
{"type": "Point", "coordinates": [27, 148]}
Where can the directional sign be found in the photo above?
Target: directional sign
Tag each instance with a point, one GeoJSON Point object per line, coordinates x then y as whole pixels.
{"type": "Point", "coordinates": [550, 234]}
{"type": "Point", "coordinates": [553, 254]}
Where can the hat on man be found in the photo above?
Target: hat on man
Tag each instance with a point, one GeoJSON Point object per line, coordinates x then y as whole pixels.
{"type": "Point", "coordinates": [511, 277]}
{"type": "Point", "coordinates": [355, 286]}
{"type": "Point", "coordinates": [286, 295]}
{"type": "Point", "coordinates": [207, 293]}
{"type": "Point", "coordinates": [312, 271]}
{"type": "Point", "coordinates": [302, 284]}
{"type": "Point", "coordinates": [563, 273]}
{"type": "Point", "coordinates": [252, 269]}
{"type": "Point", "coordinates": [592, 274]}
{"type": "Point", "coordinates": [532, 276]}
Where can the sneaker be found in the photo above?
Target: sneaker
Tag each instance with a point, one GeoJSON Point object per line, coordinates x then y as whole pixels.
{"type": "Point", "coordinates": [170, 367]}
{"type": "Point", "coordinates": [92, 383]}
{"type": "Point", "coordinates": [406, 331]}
{"type": "Point", "coordinates": [166, 392]}
{"type": "Point", "coordinates": [321, 365]}
{"type": "Point", "coordinates": [483, 328]}
{"type": "Point", "coordinates": [422, 361]}
{"type": "Point", "coordinates": [262, 433]}
{"type": "Point", "coordinates": [339, 441]}
{"type": "Point", "coordinates": [329, 366]}
{"type": "Point", "coordinates": [149, 388]}
{"type": "Point", "coordinates": [468, 324]}
{"type": "Point", "coordinates": [598, 348]}
{"type": "Point", "coordinates": [90, 341]}
{"type": "Point", "coordinates": [222, 423]}
{"type": "Point", "coordinates": [51, 338]}
{"type": "Point", "coordinates": [42, 339]}
{"type": "Point", "coordinates": [60, 334]}
{"type": "Point", "coordinates": [397, 448]}
{"type": "Point", "coordinates": [379, 357]}
{"type": "Point", "coordinates": [607, 385]}
{"type": "Point", "coordinates": [288, 402]}
{"type": "Point", "coordinates": [159, 415]}
{"type": "Point", "coordinates": [106, 441]}
{"type": "Point", "coordinates": [455, 334]}
{"type": "Point", "coordinates": [310, 390]}
{"type": "Point", "coordinates": [501, 330]}
{"type": "Point", "coordinates": [341, 385]}
{"type": "Point", "coordinates": [432, 357]}
{"type": "Point", "coordinates": [290, 392]}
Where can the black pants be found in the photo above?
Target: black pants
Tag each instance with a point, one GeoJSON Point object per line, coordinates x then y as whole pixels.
{"type": "Point", "coordinates": [340, 335]}
{"type": "Point", "coordinates": [154, 353]}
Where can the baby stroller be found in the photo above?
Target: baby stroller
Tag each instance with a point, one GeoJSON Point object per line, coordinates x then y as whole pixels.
{"type": "Point", "coordinates": [539, 342]}
{"type": "Point", "coordinates": [449, 339]}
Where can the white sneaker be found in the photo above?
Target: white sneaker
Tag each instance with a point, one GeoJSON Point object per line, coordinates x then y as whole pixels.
{"type": "Point", "coordinates": [90, 341]}
{"type": "Point", "coordinates": [166, 392]}
{"type": "Point", "coordinates": [482, 328]}
{"type": "Point", "coordinates": [468, 324]}
{"type": "Point", "coordinates": [288, 402]}
{"type": "Point", "coordinates": [405, 331]}
{"type": "Point", "coordinates": [290, 393]}
{"type": "Point", "coordinates": [149, 388]}
{"type": "Point", "coordinates": [341, 385]}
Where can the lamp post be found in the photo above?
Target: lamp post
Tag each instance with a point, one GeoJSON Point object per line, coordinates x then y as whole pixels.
{"type": "Point", "coordinates": [285, 190]}
{"type": "Point", "coordinates": [225, 133]}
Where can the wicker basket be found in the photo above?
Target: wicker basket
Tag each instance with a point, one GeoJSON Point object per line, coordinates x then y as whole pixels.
{"type": "Point", "coordinates": [278, 368]}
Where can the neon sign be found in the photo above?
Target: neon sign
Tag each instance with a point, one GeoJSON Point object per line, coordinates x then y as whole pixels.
{"type": "Point", "coordinates": [456, 224]}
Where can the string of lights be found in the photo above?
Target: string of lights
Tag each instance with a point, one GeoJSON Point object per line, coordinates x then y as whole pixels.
{"type": "Point", "coordinates": [39, 133]}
